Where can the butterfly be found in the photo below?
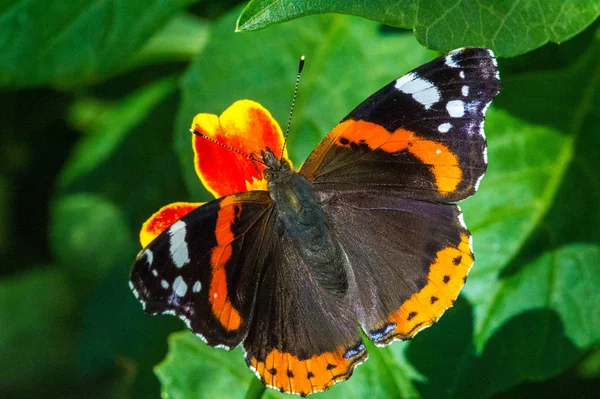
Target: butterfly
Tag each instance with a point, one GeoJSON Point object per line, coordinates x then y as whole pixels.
{"type": "Point", "coordinates": [366, 235]}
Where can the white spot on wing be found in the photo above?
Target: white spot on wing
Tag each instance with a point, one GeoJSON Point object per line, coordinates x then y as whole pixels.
{"type": "Point", "coordinates": [137, 296]}
{"type": "Point", "coordinates": [462, 74]}
{"type": "Point", "coordinates": [450, 61]}
{"type": "Point", "coordinates": [478, 182]}
{"type": "Point", "coordinates": [455, 108]}
{"type": "Point", "coordinates": [164, 284]}
{"type": "Point", "coordinates": [178, 245]}
{"type": "Point", "coordinates": [405, 79]}
{"type": "Point", "coordinates": [465, 91]}
{"type": "Point", "coordinates": [481, 132]}
{"type": "Point", "coordinates": [149, 256]}
{"type": "Point", "coordinates": [461, 220]}
{"type": "Point", "coordinates": [485, 108]}
{"type": "Point", "coordinates": [423, 91]}
{"type": "Point", "coordinates": [438, 151]}
{"type": "Point", "coordinates": [444, 127]}
{"type": "Point", "coordinates": [493, 56]}
{"type": "Point", "coordinates": [154, 273]}
{"type": "Point", "coordinates": [202, 338]}
{"type": "Point", "coordinates": [180, 286]}
{"type": "Point", "coordinates": [495, 62]}
{"type": "Point", "coordinates": [197, 286]}
{"type": "Point", "coordinates": [427, 97]}
{"type": "Point", "coordinates": [485, 155]}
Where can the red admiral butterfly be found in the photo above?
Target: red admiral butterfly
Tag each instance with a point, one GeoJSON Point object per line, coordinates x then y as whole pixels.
{"type": "Point", "coordinates": [365, 235]}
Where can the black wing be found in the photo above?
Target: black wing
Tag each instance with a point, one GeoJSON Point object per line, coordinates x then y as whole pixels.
{"type": "Point", "coordinates": [421, 135]}
{"type": "Point", "coordinates": [409, 260]}
{"type": "Point", "coordinates": [205, 267]}
{"type": "Point", "coordinates": [304, 337]}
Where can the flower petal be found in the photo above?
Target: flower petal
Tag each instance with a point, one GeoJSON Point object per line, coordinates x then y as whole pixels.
{"type": "Point", "coordinates": [161, 220]}
{"type": "Point", "coordinates": [246, 126]}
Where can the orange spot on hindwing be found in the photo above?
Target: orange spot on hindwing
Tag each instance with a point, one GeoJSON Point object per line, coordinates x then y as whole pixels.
{"type": "Point", "coordinates": [446, 277]}
{"type": "Point", "coordinates": [363, 136]}
{"type": "Point", "coordinates": [289, 373]}
{"type": "Point", "coordinates": [222, 308]}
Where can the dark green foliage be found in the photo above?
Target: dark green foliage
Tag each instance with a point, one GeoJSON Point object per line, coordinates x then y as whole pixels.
{"type": "Point", "coordinates": [508, 27]}
{"type": "Point", "coordinates": [96, 105]}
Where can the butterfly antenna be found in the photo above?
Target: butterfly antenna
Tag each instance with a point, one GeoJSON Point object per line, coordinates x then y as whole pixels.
{"type": "Point", "coordinates": [252, 157]}
{"type": "Point", "coordinates": [287, 131]}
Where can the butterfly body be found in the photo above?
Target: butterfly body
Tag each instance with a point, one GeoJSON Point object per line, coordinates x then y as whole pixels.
{"type": "Point", "coordinates": [294, 203]}
{"type": "Point", "coordinates": [366, 235]}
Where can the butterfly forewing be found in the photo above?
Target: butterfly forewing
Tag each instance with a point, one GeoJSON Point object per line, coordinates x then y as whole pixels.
{"type": "Point", "coordinates": [205, 267]}
{"type": "Point", "coordinates": [420, 136]}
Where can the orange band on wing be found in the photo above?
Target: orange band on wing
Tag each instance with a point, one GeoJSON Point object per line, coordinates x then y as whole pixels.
{"type": "Point", "coordinates": [288, 373]}
{"type": "Point", "coordinates": [222, 307]}
{"type": "Point", "coordinates": [444, 164]}
{"type": "Point", "coordinates": [163, 218]}
{"type": "Point", "coordinates": [445, 279]}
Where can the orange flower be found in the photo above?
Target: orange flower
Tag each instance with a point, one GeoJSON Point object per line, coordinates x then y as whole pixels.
{"type": "Point", "coordinates": [246, 126]}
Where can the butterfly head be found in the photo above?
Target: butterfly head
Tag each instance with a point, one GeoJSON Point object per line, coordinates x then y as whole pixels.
{"type": "Point", "coordinates": [275, 168]}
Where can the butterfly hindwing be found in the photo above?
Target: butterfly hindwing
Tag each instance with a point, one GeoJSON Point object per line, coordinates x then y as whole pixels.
{"type": "Point", "coordinates": [304, 337]}
{"type": "Point", "coordinates": [409, 259]}
{"type": "Point", "coordinates": [421, 135]}
{"type": "Point", "coordinates": [204, 268]}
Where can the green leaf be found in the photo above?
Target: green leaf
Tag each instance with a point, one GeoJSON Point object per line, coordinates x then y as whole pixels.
{"type": "Point", "coordinates": [89, 236]}
{"type": "Point", "coordinates": [74, 41]}
{"type": "Point", "coordinates": [116, 125]}
{"type": "Point", "coordinates": [529, 347]}
{"type": "Point", "coordinates": [34, 142]}
{"type": "Point", "coordinates": [563, 280]}
{"type": "Point", "coordinates": [119, 173]}
{"type": "Point", "coordinates": [538, 170]}
{"type": "Point", "coordinates": [193, 369]}
{"type": "Point", "coordinates": [115, 333]}
{"type": "Point", "coordinates": [508, 27]}
{"type": "Point", "coordinates": [128, 158]}
{"type": "Point", "coordinates": [5, 197]}
{"type": "Point", "coordinates": [182, 39]}
{"type": "Point", "coordinates": [36, 335]}
{"type": "Point", "coordinates": [590, 366]}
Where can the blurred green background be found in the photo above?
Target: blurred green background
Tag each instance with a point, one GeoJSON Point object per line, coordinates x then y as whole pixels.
{"type": "Point", "coordinates": [95, 104]}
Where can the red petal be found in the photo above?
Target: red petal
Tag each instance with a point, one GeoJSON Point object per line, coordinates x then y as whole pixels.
{"type": "Point", "coordinates": [246, 126]}
{"type": "Point", "coordinates": [166, 216]}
